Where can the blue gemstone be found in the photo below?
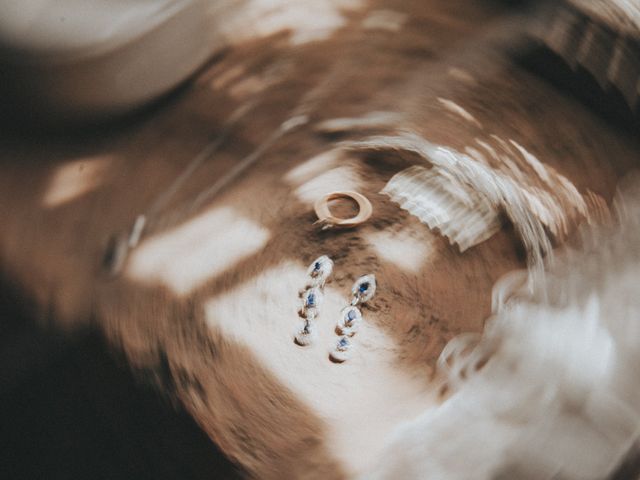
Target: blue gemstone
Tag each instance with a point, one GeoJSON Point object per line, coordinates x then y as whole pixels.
{"type": "Point", "coordinates": [351, 315]}
{"type": "Point", "coordinates": [316, 266]}
{"type": "Point", "coordinates": [311, 299]}
{"type": "Point", "coordinates": [343, 342]}
{"type": "Point", "coordinates": [363, 287]}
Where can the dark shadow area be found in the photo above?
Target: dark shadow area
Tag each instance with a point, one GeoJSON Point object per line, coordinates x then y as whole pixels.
{"type": "Point", "coordinates": [24, 118]}
{"type": "Point", "coordinates": [70, 410]}
{"type": "Point", "coordinates": [580, 84]}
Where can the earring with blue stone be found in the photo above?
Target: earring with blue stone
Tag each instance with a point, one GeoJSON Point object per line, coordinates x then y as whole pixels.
{"type": "Point", "coordinates": [363, 289]}
{"type": "Point", "coordinates": [319, 271]}
{"type": "Point", "coordinates": [312, 297]}
{"type": "Point", "coordinates": [350, 317]}
{"type": "Point", "coordinates": [342, 351]}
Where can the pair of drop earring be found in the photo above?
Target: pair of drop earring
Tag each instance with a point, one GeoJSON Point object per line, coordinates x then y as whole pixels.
{"type": "Point", "coordinates": [350, 317]}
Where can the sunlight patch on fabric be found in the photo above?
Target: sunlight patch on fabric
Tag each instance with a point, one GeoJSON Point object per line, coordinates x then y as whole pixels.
{"type": "Point", "coordinates": [75, 179]}
{"type": "Point", "coordinates": [345, 178]}
{"type": "Point", "coordinates": [388, 20]}
{"type": "Point", "coordinates": [360, 401]}
{"type": "Point", "coordinates": [456, 109]}
{"type": "Point", "coordinates": [314, 166]}
{"type": "Point", "coordinates": [402, 249]}
{"type": "Point", "coordinates": [197, 251]}
{"type": "Point", "coordinates": [306, 20]}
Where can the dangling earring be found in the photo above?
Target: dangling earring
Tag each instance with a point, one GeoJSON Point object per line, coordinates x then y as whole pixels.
{"type": "Point", "coordinates": [312, 297]}
{"type": "Point", "coordinates": [362, 291]}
